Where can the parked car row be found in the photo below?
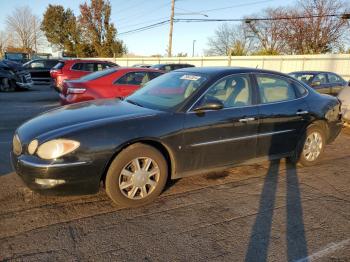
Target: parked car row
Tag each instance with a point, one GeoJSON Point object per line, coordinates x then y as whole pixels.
{"type": "Point", "coordinates": [185, 122]}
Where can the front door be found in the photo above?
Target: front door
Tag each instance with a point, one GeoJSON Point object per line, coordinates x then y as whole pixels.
{"type": "Point", "coordinates": [283, 114]}
{"type": "Point", "coordinates": [226, 136]}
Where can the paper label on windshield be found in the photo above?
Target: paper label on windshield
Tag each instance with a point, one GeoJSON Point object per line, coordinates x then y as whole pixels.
{"type": "Point", "coordinates": [190, 77]}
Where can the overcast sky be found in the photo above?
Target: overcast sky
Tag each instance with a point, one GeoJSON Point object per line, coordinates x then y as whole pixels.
{"type": "Point", "coordinates": [132, 14]}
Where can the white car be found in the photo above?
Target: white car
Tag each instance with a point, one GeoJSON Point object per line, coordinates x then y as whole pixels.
{"type": "Point", "coordinates": [344, 97]}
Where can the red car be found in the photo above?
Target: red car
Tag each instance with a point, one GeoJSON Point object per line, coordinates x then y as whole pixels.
{"type": "Point", "coordinates": [109, 83]}
{"type": "Point", "coordinates": [74, 69]}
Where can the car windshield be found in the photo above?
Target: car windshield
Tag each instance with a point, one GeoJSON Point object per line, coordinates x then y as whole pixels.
{"type": "Point", "coordinates": [98, 74]}
{"type": "Point", "coordinates": [167, 91]}
{"type": "Point", "coordinates": [305, 77]}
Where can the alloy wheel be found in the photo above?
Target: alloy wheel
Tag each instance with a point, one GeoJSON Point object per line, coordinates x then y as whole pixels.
{"type": "Point", "coordinates": [313, 146]}
{"type": "Point", "coordinates": [139, 178]}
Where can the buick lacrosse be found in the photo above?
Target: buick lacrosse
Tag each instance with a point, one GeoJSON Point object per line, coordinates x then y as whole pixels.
{"type": "Point", "coordinates": [186, 122]}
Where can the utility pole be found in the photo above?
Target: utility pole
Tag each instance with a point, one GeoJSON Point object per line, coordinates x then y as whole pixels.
{"type": "Point", "coordinates": [170, 45]}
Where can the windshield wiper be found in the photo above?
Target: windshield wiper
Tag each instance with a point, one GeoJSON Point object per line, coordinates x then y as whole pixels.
{"type": "Point", "coordinates": [133, 102]}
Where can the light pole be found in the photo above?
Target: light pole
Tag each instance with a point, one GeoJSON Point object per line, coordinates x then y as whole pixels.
{"type": "Point", "coordinates": [193, 42]}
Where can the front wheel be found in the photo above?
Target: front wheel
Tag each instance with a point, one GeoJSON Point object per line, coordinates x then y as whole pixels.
{"type": "Point", "coordinates": [311, 147]}
{"type": "Point", "coordinates": [6, 85]}
{"type": "Point", "coordinates": [136, 176]}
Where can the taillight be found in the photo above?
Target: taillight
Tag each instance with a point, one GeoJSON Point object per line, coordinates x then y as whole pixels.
{"type": "Point", "coordinates": [54, 72]}
{"type": "Point", "coordinates": [75, 90]}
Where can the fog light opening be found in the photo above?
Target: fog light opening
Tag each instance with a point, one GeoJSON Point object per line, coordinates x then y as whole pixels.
{"type": "Point", "coordinates": [49, 182]}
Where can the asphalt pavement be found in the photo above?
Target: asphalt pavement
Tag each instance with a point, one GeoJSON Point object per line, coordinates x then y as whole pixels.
{"type": "Point", "coordinates": [15, 109]}
{"type": "Point", "coordinates": [264, 212]}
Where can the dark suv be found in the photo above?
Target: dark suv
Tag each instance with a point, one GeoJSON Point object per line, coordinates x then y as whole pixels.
{"type": "Point", "coordinates": [170, 67]}
{"type": "Point", "coordinates": [74, 69]}
{"type": "Point", "coordinates": [39, 69]}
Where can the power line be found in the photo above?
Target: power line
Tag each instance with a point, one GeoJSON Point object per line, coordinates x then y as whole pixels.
{"type": "Point", "coordinates": [247, 20]}
{"type": "Point", "coordinates": [142, 23]}
{"type": "Point", "coordinates": [234, 6]}
{"type": "Point", "coordinates": [145, 27]}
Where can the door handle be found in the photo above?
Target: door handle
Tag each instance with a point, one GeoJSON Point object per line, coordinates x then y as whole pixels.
{"type": "Point", "coordinates": [300, 113]}
{"type": "Point", "coordinates": [245, 120]}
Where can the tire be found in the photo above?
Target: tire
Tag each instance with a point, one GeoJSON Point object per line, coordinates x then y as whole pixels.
{"type": "Point", "coordinates": [6, 85]}
{"type": "Point", "coordinates": [136, 176]}
{"type": "Point", "coordinates": [309, 152]}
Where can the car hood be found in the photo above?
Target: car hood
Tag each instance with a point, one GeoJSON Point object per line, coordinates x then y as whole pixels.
{"type": "Point", "coordinates": [73, 117]}
{"type": "Point", "coordinates": [7, 64]}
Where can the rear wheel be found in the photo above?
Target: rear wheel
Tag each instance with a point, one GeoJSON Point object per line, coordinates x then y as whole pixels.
{"type": "Point", "coordinates": [136, 176]}
{"type": "Point", "coordinates": [311, 147]}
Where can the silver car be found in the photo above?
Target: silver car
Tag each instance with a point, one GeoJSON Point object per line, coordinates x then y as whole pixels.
{"type": "Point", "coordinates": [344, 97]}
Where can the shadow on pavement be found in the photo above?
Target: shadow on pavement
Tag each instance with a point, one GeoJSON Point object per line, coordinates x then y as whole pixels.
{"type": "Point", "coordinates": [295, 233]}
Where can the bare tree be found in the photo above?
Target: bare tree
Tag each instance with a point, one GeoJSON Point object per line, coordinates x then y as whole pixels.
{"type": "Point", "coordinates": [319, 34]}
{"type": "Point", "coordinates": [268, 33]}
{"type": "Point", "coordinates": [229, 39]}
{"type": "Point", "coordinates": [25, 27]}
{"type": "Point", "coordinates": [3, 42]}
{"type": "Point", "coordinates": [309, 27]}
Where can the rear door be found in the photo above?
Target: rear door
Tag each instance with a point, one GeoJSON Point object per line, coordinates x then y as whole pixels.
{"type": "Point", "coordinates": [227, 136]}
{"type": "Point", "coordinates": [324, 86]}
{"type": "Point", "coordinates": [283, 114]}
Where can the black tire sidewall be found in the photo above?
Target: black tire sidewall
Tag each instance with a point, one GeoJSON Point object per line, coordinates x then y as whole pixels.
{"type": "Point", "coordinates": [121, 160]}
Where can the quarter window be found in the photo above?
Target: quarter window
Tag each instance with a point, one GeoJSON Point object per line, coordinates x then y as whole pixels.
{"type": "Point", "coordinates": [233, 91]}
{"type": "Point", "coordinates": [275, 89]}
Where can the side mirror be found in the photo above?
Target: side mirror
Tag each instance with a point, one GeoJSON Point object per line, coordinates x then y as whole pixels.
{"type": "Point", "coordinates": [316, 83]}
{"type": "Point", "coordinates": [349, 83]}
{"type": "Point", "coordinates": [210, 105]}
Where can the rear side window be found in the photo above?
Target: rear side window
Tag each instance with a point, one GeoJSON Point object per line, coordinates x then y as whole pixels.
{"type": "Point", "coordinates": [275, 89]}
{"type": "Point", "coordinates": [59, 65]}
{"type": "Point", "coordinates": [77, 66]}
{"type": "Point", "coordinates": [153, 75]}
{"type": "Point", "coordinates": [50, 63]}
{"type": "Point", "coordinates": [133, 78]}
{"type": "Point", "coordinates": [88, 67]}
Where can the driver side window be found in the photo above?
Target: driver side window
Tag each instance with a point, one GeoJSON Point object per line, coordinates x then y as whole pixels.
{"type": "Point", "coordinates": [232, 91]}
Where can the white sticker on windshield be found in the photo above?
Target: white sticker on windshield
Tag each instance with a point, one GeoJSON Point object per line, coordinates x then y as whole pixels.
{"type": "Point", "coordinates": [190, 77]}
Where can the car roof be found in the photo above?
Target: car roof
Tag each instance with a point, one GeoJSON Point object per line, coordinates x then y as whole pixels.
{"type": "Point", "coordinates": [85, 61]}
{"type": "Point", "coordinates": [131, 69]}
{"type": "Point", "coordinates": [310, 72]}
{"type": "Point", "coordinates": [218, 70]}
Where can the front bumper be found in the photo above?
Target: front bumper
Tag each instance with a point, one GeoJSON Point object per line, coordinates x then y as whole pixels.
{"type": "Point", "coordinates": [74, 178]}
{"type": "Point", "coordinates": [25, 85]}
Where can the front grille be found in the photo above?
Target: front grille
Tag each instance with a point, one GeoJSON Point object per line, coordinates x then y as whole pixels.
{"type": "Point", "coordinates": [24, 76]}
{"type": "Point", "coordinates": [16, 145]}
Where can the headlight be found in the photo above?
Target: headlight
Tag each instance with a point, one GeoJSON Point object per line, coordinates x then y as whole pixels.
{"type": "Point", "coordinates": [33, 146]}
{"type": "Point", "coordinates": [57, 148]}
